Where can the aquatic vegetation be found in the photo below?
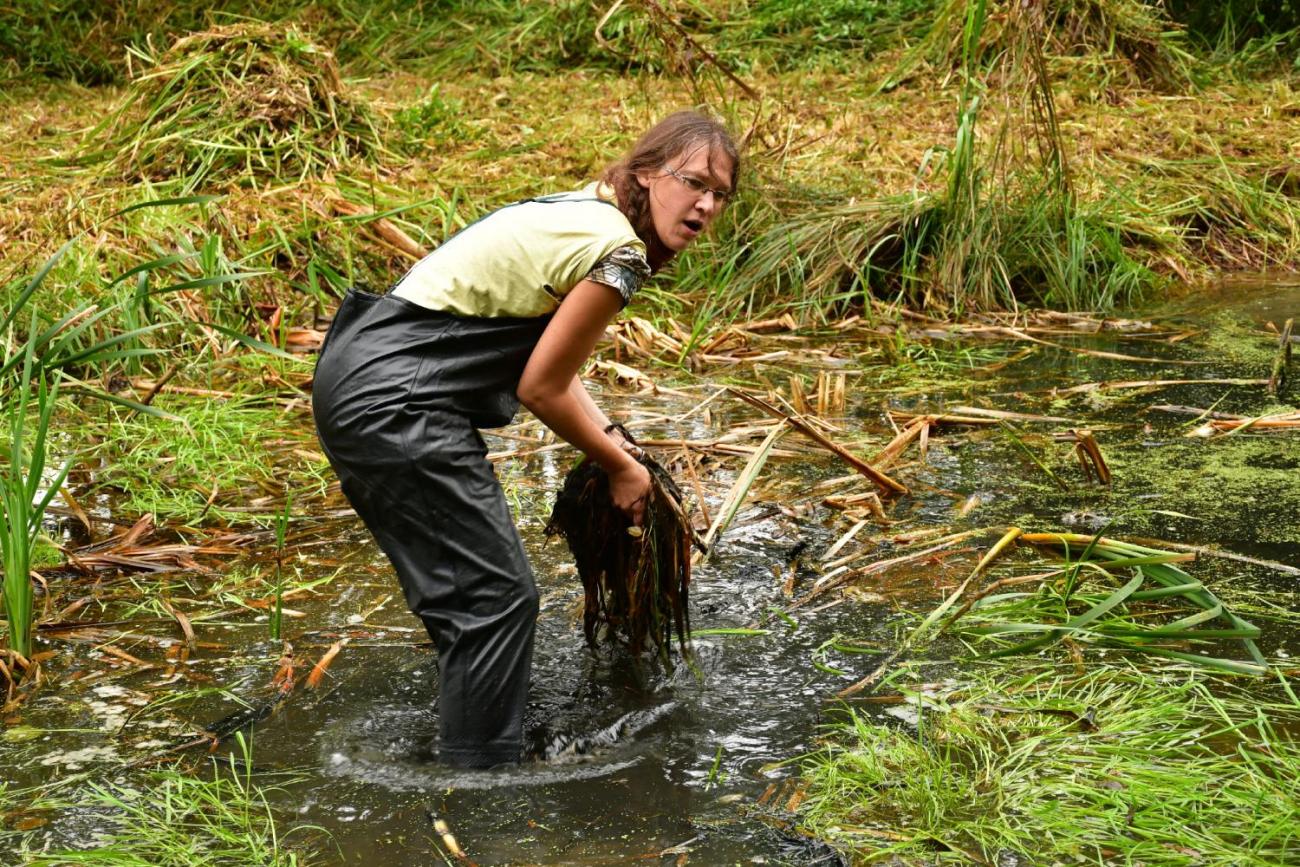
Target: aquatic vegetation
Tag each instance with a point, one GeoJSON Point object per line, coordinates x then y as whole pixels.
{"type": "Point", "coordinates": [636, 584]}
{"type": "Point", "coordinates": [1085, 603]}
{"type": "Point", "coordinates": [176, 819]}
{"type": "Point", "coordinates": [1107, 763]}
{"type": "Point", "coordinates": [1243, 481]}
{"type": "Point", "coordinates": [25, 493]}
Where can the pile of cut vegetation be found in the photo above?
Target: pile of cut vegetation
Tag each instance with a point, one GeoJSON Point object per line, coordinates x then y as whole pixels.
{"type": "Point", "coordinates": [243, 101]}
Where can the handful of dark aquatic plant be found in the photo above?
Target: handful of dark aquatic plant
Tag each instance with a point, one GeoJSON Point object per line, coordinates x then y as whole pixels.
{"type": "Point", "coordinates": [636, 583]}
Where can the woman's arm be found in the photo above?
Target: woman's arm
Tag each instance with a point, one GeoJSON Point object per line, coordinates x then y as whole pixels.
{"type": "Point", "coordinates": [549, 388]}
{"type": "Point", "coordinates": [594, 412]}
{"type": "Point", "coordinates": [583, 397]}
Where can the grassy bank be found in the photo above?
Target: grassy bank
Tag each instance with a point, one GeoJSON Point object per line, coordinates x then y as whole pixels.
{"type": "Point", "coordinates": [1079, 158]}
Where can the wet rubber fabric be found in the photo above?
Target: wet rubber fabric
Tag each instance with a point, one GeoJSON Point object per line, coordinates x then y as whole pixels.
{"type": "Point", "coordinates": [398, 395]}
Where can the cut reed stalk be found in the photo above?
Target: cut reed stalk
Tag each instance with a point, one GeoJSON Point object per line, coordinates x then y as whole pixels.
{"type": "Point", "coordinates": [883, 481]}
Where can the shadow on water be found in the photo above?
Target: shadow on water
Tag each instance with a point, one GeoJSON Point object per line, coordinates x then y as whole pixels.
{"type": "Point", "coordinates": [636, 762]}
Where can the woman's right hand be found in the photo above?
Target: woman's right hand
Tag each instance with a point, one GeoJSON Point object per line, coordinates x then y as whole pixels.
{"type": "Point", "coordinates": [629, 488]}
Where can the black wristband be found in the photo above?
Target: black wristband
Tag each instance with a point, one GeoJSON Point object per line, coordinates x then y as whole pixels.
{"type": "Point", "coordinates": [610, 428]}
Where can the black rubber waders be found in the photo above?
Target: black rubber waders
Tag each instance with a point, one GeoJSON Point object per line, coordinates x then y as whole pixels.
{"type": "Point", "coordinates": [399, 394]}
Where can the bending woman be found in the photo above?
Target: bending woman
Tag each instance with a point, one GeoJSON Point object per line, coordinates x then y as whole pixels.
{"type": "Point", "coordinates": [504, 312]}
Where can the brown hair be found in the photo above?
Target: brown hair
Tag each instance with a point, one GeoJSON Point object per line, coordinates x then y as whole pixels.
{"type": "Point", "coordinates": [671, 137]}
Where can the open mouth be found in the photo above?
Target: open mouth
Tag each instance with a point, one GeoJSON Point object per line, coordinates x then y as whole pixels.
{"type": "Point", "coordinates": [694, 225]}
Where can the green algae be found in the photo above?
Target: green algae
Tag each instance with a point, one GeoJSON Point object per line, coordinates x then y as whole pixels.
{"type": "Point", "coordinates": [1229, 339]}
{"type": "Point", "coordinates": [1242, 487]}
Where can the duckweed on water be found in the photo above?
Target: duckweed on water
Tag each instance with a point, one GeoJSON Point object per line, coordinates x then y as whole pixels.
{"type": "Point", "coordinates": [1243, 486]}
{"type": "Point", "coordinates": [1230, 340]}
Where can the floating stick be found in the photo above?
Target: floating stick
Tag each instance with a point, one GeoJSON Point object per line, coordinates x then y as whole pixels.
{"type": "Point", "coordinates": [318, 670]}
{"type": "Point", "coordinates": [1282, 360]}
{"type": "Point", "coordinates": [879, 478]}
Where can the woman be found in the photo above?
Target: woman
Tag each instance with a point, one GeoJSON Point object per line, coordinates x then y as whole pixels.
{"type": "Point", "coordinates": [505, 312]}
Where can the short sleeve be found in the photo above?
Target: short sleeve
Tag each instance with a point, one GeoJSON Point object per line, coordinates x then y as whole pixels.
{"type": "Point", "coordinates": [625, 269]}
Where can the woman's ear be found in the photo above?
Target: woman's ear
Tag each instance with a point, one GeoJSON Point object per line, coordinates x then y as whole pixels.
{"type": "Point", "coordinates": [643, 178]}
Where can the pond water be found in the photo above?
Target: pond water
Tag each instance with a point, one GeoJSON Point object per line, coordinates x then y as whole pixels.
{"type": "Point", "coordinates": [642, 764]}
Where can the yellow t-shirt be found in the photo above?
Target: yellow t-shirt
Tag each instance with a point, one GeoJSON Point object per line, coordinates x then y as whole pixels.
{"type": "Point", "coordinates": [522, 259]}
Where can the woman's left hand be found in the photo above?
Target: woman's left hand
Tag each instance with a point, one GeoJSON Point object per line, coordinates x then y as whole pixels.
{"type": "Point", "coordinates": [629, 489]}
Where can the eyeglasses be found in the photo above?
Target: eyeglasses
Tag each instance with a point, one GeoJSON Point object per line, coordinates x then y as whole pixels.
{"type": "Point", "coordinates": [699, 187]}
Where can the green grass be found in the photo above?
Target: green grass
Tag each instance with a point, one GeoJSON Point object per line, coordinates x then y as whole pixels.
{"type": "Point", "coordinates": [80, 41]}
{"type": "Point", "coordinates": [252, 101]}
{"type": "Point", "coordinates": [1240, 25]}
{"type": "Point", "coordinates": [247, 450]}
{"type": "Point", "coordinates": [1112, 764]}
{"type": "Point", "coordinates": [170, 818]}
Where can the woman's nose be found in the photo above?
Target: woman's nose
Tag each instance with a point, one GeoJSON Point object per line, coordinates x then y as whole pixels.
{"type": "Point", "coordinates": [708, 203]}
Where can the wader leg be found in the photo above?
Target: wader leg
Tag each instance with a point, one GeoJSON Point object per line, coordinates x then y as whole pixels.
{"type": "Point", "coordinates": [442, 519]}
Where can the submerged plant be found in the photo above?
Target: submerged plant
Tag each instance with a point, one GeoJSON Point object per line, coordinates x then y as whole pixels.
{"type": "Point", "coordinates": [636, 579]}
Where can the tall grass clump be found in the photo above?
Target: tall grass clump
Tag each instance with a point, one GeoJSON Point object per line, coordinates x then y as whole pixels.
{"type": "Point", "coordinates": [247, 101]}
{"type": "Point", "coordinates": [1124, 41]}
{"type": "Point", "coordinates": [25, 491]}
{"type": "Point", "coordinates": [1003, 223]}
{"type": "Point", "coordinates": [1012, 227]}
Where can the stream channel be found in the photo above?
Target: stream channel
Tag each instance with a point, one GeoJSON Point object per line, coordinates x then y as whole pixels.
{"type": "Point", "coordinates": [646, 765]}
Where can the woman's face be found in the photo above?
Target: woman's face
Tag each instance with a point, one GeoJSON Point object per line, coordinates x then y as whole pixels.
{"type": "Point", "coordinates": [686, 194]}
